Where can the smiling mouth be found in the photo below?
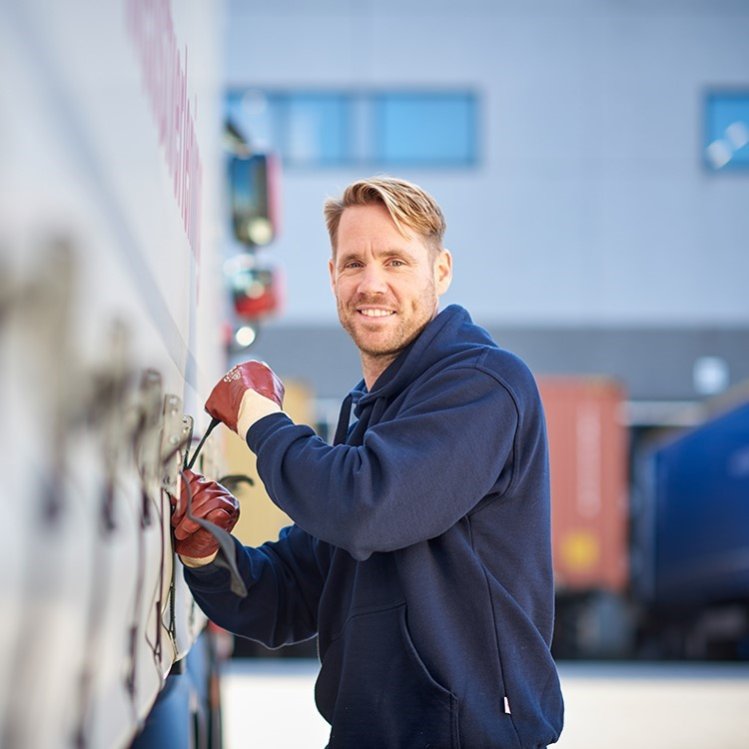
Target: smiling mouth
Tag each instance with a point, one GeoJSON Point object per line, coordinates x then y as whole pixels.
{"type": "Point", "coordinates": [375, 313]}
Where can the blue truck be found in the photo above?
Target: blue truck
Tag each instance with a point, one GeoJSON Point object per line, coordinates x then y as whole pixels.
{"type": "Point", "coordinates": [691, 542]}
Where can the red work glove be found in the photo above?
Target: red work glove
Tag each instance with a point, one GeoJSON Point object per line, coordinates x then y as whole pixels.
{"type": "Point", "coordinates": [210, 501]}
{"type": "Point", "coordinates": [245, 394]}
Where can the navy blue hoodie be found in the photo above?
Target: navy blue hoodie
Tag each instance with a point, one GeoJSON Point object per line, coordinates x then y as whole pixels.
{"type": "Point", "coordinates": [420, 553]}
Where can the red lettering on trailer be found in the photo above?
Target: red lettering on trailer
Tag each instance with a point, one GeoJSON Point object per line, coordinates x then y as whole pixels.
{"type": "Point", "coordinates": [164, 75]}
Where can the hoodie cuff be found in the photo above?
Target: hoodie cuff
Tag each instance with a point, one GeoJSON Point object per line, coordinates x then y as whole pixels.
{"type": "Point", "coordinates": [208, 577]}
{"type": "Point", "coordinates": [264, 427]}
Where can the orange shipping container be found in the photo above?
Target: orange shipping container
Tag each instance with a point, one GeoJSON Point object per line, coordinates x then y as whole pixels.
{"type": "Point", "coordinates": [589, 495]}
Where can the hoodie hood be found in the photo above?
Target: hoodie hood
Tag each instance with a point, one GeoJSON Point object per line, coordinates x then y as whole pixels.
{"type": "Point", "coordinates": [449, 334]}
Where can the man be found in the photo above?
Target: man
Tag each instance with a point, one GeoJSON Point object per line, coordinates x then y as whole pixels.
{"type": "Point", "coordinates": [420, 550]}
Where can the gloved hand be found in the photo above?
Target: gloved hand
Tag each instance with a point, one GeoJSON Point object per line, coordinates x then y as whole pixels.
{"type": "Point", "coordinates": [210, 501]}
{"type": "Point", "coordinates": [245, 394]}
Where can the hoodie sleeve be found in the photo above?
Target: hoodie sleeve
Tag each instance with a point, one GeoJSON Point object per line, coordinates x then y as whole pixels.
{"type": "Point", "coordinates": [284, 579]}
{"type": "Point", "coordinates": [411, 479]}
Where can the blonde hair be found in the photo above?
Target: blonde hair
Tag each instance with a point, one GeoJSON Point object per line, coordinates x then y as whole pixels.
{"type": "Point", "coordinates": [409, 206]}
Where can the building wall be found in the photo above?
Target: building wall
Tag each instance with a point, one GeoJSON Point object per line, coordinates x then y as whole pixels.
{"type": "Point", "coordinates": [590, 206]}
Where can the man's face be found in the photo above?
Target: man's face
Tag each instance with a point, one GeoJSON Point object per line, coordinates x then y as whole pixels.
{"type": "Point", "coordinates": [386, 286]}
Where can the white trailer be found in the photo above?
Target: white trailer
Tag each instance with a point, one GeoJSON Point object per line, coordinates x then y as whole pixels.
{"type": "Point", "coordinates": [111, 306]}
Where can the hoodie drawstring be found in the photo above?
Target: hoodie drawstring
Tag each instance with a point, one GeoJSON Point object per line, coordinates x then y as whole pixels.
{"type": "Point", "coordinates": [344, 417]}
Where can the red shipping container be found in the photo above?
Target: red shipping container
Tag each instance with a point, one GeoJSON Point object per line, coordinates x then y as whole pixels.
{"type": "Point", "coordinates": [589, 486]}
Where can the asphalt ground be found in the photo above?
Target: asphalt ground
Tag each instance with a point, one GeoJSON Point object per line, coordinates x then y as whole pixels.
{"type": "Point", "coordinates": [269, 703]}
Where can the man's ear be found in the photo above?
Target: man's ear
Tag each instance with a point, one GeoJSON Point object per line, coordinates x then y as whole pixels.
{"type": "Point", "coordinates": [331, 271]}
{"type": "Point", "coordinates": [443, 271]}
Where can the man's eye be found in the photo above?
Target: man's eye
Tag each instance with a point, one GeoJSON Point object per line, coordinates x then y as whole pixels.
{"type": "Point", "coordinates": [397, 263]}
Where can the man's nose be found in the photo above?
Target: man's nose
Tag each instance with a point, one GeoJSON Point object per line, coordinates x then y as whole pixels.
{"type": "Point", "coordinates": [372, 280]}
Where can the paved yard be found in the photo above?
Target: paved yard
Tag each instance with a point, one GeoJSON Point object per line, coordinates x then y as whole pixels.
{"type": "Point", "coordinates": [269, 704]}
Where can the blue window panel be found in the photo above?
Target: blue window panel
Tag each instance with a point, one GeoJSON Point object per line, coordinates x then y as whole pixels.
{"type": "Point", "coordinates": [727, 130]}
{"type": "Point", "coordinates": [306, 128]}
{"type": "Point", "coordinates": [429, 129]}
{"type": "Point", "coordinates": [314, 128]}
{"type": "Point", "coordinates": [252, 112]}
{"type": "Point", "coordinates": [363, 129]}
